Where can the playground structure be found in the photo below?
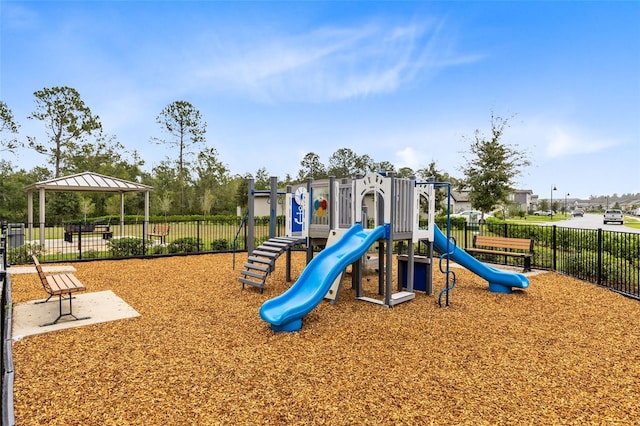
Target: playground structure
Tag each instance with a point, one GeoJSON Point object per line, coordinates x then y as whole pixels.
{"type": "Point", "coordinates": [341, 210]}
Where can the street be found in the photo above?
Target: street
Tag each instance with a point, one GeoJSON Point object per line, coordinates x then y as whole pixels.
{"type": "Point", "coordinates": [593, 221]}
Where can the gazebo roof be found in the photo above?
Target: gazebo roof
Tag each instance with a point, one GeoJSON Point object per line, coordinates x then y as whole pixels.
{"type": "Point", "coordinates": [88, 181]}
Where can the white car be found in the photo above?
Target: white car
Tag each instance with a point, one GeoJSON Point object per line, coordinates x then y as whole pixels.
{"type": "Point", "coordinates": [613, 215]}
{"type": "Point", "coordinates": [471, 215]}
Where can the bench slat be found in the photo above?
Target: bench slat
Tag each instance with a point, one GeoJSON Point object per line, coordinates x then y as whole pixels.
{"type": "Point", "coordinates": [64, 283]}
{"type": "Point", "coordinates": [501, 253]}
{"type": "Point", "coordinates": [502, 242]}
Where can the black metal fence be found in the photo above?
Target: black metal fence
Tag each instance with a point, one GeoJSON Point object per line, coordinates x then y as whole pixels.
{"type": "Point", "coordinates": [607, 258]}
{"type": "Point", "coordinates": [5, 328]}
{"type": "Point", "coordinates": [132, 239]}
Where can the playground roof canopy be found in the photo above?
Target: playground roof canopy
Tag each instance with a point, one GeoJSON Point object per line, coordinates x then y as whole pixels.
{"type": "Point", "coordinates": [88, 182]}
{"type": "Point", "coordinates": [84, 182]}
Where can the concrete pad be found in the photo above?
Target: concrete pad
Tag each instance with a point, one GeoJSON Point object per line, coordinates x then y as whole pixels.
{"type": "Point", "coordinates": [100, 306]}
{"type": "Point", "coordinates": [32, 269]}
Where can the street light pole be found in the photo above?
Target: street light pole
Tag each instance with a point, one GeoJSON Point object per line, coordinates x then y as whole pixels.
{"type": "Point", "coordinates": [553, 188]}
{"type": "Point", "coordinates": [565, 203]}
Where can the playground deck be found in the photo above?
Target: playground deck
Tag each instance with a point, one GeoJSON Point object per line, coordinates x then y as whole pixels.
{"type": "Point", "coordinates": [560, 352]}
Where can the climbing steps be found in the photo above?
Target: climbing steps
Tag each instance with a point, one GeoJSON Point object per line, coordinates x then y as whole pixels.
{"type": "Point", "coordinates": [262, 260]}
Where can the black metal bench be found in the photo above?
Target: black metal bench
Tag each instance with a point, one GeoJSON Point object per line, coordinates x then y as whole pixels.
{"type": "Point", "coordinates": [87, 229]}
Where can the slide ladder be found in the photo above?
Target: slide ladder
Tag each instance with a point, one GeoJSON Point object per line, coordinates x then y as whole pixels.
{"type": "Point", "coordinates": [262, 261]}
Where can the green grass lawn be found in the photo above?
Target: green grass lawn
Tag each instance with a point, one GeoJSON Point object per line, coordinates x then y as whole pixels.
{"type": "Point", "coordinates": [632, 221]}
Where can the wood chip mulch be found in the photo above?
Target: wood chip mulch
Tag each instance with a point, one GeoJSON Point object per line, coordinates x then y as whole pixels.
{"type": "Point", "coordinates": [560, 352]}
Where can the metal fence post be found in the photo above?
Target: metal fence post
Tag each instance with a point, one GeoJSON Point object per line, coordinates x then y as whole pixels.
{"type": "Point", "coordinates": [554, 248]}
{"type": "Point", "coordinates": [600, 248]}
{"type": "Point", "coordinates": [198, 240]}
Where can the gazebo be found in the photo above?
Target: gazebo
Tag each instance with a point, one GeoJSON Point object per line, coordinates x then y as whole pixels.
{"type": "Point", "coordinates": [84, 182]}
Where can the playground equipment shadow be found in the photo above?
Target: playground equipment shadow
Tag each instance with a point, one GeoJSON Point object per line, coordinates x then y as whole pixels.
{"type": "Point", "coordinates": [560, 352]}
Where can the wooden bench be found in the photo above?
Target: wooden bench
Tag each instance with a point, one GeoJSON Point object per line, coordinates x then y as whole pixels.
{"type": "Point", "coordinates": [513, 247]}
{"type": "Point", "coordinates": [60, 285]}
{"type": "Point", "coordinates": [160, 230]}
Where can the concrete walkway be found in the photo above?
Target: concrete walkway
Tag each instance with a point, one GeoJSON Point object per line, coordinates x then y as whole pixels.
{"type": "Point", "coordinates": [32, 269]}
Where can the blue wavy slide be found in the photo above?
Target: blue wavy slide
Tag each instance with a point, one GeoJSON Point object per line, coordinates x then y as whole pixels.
{"type": "Point", "coordinates": [285, 312]}
{"type": "Point", "coordinates": [499, 281]}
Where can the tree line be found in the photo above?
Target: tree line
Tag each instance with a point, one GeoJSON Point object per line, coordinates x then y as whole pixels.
{"type": "Point", "coordinates": [195, 181]}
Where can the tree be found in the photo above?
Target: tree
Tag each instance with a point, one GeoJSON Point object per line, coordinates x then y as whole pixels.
{"type": "Point", "coordinates": [242, 190]}
{"type": "Point", "coordinates": [8, 126]}
{"type": "Point", "coordinates": [364, 164]}
{"type": "Point", "coordinates": [432, 172]}
{"type": "Point", "coordinates": [183, 123]}
{"type": "Point", "coordinates": [213, 178]}
{"type": "Point", "coordinates": [262, 180]}
{"type": "Point", "coordinates": [491, 167]}
{"type": "Point", "coordinates": [165, 204]}
{"type": "Point", "coordinates": [206, 202]}
{"type": "Point", "coordinates": [405, 172]}
{"type": "Point", "coordinates": [107, 156]}
{"type": "Point", "coordinates": [67, 119]}
{"type": "Point", "coordinates": [384, 166]}
{"type": "Point", "coordinates": [165, 186]}
{"type": "Point", "coordinates": [86, 206]}
{"type": "Point", "coordinates": [311, 168]}
{"type": "Point", "coordinates": [343, 163]}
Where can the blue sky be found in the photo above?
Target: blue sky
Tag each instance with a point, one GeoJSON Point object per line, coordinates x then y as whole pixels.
{"type": "Point", "coordinates": [404, 82]}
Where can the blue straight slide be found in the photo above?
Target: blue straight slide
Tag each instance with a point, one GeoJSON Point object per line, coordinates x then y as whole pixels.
{"type": "Point", "coordinates": [285, 312]}
{"type": "Point", "coordinates": [499, 281]}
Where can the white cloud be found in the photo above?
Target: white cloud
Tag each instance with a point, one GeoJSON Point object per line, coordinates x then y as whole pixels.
{"type": "Point", "coordinates": [409, 157]}
{"type": "Point", "coordinates": [325, 64]}
{"type": "Point", "coordinates": [565, 141]}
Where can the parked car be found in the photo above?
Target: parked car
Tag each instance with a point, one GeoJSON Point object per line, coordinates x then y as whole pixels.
{"type": "Point", "coordinates": [543, 213]}
{"type": "Point", "coordinates": [577, 213]}
{"type": "Point", "coordinates": [471, 215]}
{"type": "Point", "coordinates": [613, 215]}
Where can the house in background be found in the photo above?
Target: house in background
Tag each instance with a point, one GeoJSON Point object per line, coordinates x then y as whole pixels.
{"type": "Point", "coordinates": [262, 205]}
{"type": "Point", "coordinates": [523, 198]}
{"type": "Point", "coordinates": [460, 201]}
